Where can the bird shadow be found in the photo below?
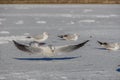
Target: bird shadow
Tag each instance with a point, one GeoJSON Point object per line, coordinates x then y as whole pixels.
{"type": "Point", "coordinates": [47, 59]}
{"type": "Point", "coordinates": [101, 48]}
{"type": "Point", "coordinates": [118, 70]}
{"type": "Point", "coordinates": [61, 39]}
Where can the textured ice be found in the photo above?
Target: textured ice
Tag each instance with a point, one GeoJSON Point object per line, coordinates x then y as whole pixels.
{"type": "Point", "coordinates": [87, 10]}
{"type": "Point", "coordinates": [4, 32]}
{"type": "Point", "coordinates": [87, 21]}
{"type": "Point", "coordinates": [10, 38]}
{"type": "Point", "coordinates": [20, 22]}
{"type": "Point", "coordinates": [93, 22]}
{"type": "Point", "coordinates": [41, 22]}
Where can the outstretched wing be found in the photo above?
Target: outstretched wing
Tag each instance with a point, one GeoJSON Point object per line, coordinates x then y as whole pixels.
{"type": "Point", "coordinates": [39, 44]}
{"type": "Point", "coordinates": [26, 48]}
{"type": "Point", "coordinates": [21, 46]}
{"type": "Point", "coordinates": [70, 48]}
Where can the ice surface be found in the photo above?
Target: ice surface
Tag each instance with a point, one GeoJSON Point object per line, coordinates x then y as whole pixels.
{"type": "Point", "coordinates": [93, 22]}
{"type": "Point", "coordinates": [4, 32]}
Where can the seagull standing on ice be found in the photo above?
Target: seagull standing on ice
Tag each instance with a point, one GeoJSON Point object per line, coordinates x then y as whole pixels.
{"type": "Point", "coordinates": [48, 50]}
{"type": "Point", "coordinates": [69, 37]}
{"type": "Point", "coordinates": [110, 46]}
{"type": "Point", "coordinates": [39, 38]}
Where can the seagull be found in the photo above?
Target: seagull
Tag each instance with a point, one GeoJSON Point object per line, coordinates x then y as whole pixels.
{"type": "Point", "coordinates": [110, 46]}
{"type": "Point", "coordinates": [47, 50]}
{"type": "Point", "coordinates": [39, 38]}
{"type": "Point", "coordinates": [69, 37]}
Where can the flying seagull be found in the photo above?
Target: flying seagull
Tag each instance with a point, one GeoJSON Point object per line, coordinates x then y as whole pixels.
{"type": "Point", "coordinates": [39, 38]}
{"type": "Point", "coordinates": [110, 46]}
{"type": "Point", "coordinates": [69, 37]}
{"type": "Point", "coordinates": [48, 50]}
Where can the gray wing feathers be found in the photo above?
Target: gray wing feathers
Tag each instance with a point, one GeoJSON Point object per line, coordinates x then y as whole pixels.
{"type": "Point", "coordinates": [71, 47]}
{"type": "Point", "coordinates": [21, 46]}
{"type": "Point", "coordinates": [26, 48]}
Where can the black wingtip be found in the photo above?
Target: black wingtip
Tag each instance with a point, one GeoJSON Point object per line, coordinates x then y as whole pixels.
{"type": "Point", "coordinates": [102, 43]}
{"type": "Point", "coordinates": [14, 42]}
{"type": "Point", "coordinates": [82, 44]}
{"type": "Point", "coordinates": [85, 42]}
{"type": "Point", "coordinates": [20, 46]}
{"type": "Point", "coordinates": [99, 42]}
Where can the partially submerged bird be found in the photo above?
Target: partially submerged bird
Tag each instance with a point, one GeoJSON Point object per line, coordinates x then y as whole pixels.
{"type": "Point", "coordinates": [110, 46]}
{"type": "Point", "coordinates": [69, 37]}
{"type": "Point", "coordinates": [48, 50]}
{"type": "Point", "coordinates": [39, 38]}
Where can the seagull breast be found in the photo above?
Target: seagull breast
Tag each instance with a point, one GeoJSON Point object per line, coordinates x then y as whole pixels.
{"type": "Point", "coordinates": [47, 51]}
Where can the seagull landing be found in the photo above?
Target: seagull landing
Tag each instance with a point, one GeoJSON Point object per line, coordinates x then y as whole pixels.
{"type": "Point", "coordinates": [110, 46]}
{"type": "Point", "coordinates": [69, 37]}
{"type": "Point", "coordinates": [48, 50]}
{"type": "Point", "coordinates": [39, 38]}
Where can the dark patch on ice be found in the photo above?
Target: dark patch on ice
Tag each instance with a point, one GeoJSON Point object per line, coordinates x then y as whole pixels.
{"type": "Point", "coordinates": [46, 59]}
{"type": "Point", "coordinates": [118, 69]}
{"type": "Point", "coordinates": [62, 39]}
{"type": "Point", "coordinates": [101, 48]}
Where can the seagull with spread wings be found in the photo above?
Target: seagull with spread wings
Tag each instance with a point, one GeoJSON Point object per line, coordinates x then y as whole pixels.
{"type": "Point", "coordinates": [47, 50]}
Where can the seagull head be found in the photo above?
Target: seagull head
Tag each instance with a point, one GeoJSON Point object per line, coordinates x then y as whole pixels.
{"type": "Point", "coordinates": [52, 48]}
{"type": "Point", "coordinates": [77, 34]}
{"type": "Point", "coordinates": [45, 33]}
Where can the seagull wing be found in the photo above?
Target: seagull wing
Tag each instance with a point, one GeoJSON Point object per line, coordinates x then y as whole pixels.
{"type": "Point", "coordinates": [26, 48]}
{"type": "Point", "coordinates": [69, 48]}
{"type": "Point", "coordinates": [40, 44]}
{"type": "Point", "coordinates": [21, 46]}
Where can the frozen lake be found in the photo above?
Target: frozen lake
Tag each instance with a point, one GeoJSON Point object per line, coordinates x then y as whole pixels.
{"type": "Point", "coordinates": [102, 22]}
